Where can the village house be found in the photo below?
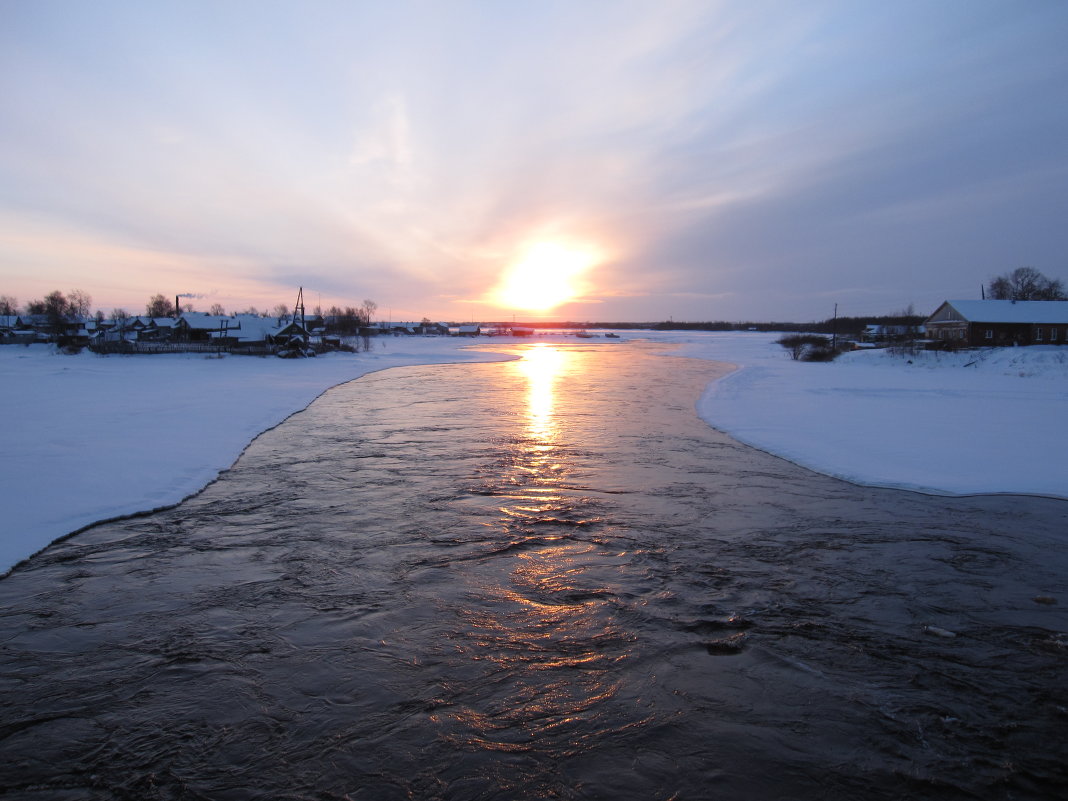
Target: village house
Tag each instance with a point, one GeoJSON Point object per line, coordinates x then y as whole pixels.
{"type": "Point", "coordinates": [13, 330]}
{"type": "Point", "coordinates": [136, 329]}
{"type": "Point", "coordinates": [201, 326]}
{"type": "Point", "coordinates": [886, 334]}
{"type": "Point", "coordinates": [242, 329]}
{"type": "Point", "coordinates": [979, 323]}
{"type": "Point", "coordinates": [158, 329]}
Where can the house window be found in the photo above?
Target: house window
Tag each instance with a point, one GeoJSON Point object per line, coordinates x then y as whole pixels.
{"type": "Point", "coordinates": [1038, 335]}
{"type": "Point", "coordinates": [1053, 335]}
{"type": "Point", "coordinates": [989, 333]}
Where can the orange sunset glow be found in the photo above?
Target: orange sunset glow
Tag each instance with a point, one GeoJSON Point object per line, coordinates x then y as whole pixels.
{"type": "Point", "coordinates": [547, 275]}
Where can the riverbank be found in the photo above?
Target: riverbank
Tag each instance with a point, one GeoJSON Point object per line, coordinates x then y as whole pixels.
{"type": "Point", "coordinates": [90, 438]}
{"type": "Point", "coordinates": [974, 422]}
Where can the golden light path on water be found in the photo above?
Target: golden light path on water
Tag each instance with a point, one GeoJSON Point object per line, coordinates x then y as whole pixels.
{"type": "Point", "coordinates": [541, 366]}
{"type": "Point", "coordinates": [542, 618]}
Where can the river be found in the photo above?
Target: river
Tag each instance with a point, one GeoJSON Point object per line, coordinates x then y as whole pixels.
{"type": "Point", "coordinates": [544, 578]}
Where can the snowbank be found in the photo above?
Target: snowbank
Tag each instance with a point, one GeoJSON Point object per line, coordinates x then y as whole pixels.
{"type": "Point", "coordinates": [988, 421]}
{"type": "Point", "coordinates": [89, 438]}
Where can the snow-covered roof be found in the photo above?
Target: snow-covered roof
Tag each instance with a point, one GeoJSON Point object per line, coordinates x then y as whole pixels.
{"type": "Point", "coordinates": [1049, 312]}
{"type": "Point", "coordinates": [211, 322]}
{"type": "Point", "coordinates": [252, 327]}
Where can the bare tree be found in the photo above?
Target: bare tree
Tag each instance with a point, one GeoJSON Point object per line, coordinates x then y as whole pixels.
{"type": "Point", "coordinates": [280, 310]}
{"type": "Point", "coordinates": [120, 316]}
{"type": "Point", "coordinates": [79, 303]}
{"type": "Point", "coordinates": [159, 306]}
{"type": "Point", "coordinates": [8, 305]}
{"type": "Point", "coordinates": [56, 308]}
{"type": "Point", "coordinates": [1025, 283]}
{"type": "Point", "coordinates": [367, 311]}
{"type": "Point", "coordinates": [217, 310]}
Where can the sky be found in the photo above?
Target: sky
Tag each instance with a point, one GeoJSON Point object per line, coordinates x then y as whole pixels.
{"type": "Point", "coordinates": [604, 161]}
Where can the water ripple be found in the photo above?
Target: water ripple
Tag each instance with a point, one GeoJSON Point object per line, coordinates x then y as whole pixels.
{"type": "Point", "coordinates": [539, 579]}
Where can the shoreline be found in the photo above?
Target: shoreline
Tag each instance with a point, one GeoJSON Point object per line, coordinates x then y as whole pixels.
{"type": "Point", "coordinates": [105, 438]}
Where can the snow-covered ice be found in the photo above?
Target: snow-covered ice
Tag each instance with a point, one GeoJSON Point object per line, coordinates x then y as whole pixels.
{"type": "Point", "coordinates": [89, 438]}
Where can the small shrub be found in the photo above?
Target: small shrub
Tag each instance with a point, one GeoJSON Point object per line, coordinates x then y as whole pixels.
{"type": "Point", "coordinates": [799, 344]}
{"type": "Point", "coordinates": [820, 354]}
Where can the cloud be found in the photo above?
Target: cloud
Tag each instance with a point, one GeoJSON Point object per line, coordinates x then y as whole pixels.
{"type": "Point", "coordinates": [734, 159]}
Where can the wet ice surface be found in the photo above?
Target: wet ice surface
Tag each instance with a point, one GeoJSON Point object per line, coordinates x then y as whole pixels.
{"type": "Point", "coordinates": [539, 579]}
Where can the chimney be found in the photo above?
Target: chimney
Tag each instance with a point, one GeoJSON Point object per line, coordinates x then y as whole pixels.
{"type": "Point", "coordinates": [177, 308]}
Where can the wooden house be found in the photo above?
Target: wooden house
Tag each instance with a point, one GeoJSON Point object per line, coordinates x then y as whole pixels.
{"type": "Point", "coordinates": [202, 327]}
{"type": "Point", "coordinates": [979, 323]}
{"type": "Point", "coordinates": [13, 330]}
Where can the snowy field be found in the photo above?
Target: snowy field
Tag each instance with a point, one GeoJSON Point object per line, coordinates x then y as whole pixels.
{"type": "Point", "coordinates": [89, 438]}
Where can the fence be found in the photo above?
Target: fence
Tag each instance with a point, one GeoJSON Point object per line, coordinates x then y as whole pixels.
{"type": "Point", "coordinates": [259, 349]}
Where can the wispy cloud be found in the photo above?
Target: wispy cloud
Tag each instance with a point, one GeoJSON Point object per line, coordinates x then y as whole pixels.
{"type": "Point", "coordinates": [736, 160]}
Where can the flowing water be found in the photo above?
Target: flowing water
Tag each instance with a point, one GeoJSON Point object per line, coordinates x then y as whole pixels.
{"type": "Point", "coordinates": [539, 579]}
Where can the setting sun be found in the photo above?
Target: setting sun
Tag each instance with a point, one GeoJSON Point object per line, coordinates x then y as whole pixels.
{"type": "Point", "coordinates": [546, 275]}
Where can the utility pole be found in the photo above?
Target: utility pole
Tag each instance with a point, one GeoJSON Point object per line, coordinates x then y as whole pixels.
{"type": "Point", "coordinates": [834, 329]}
{"type": "Point", "coordinates": [298, 308]}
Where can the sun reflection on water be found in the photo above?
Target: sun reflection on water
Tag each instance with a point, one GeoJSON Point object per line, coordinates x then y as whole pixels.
{"type": "Point", "coordinates": [545, 620]}
{"type": "Point", "coordinates": [541, 366]}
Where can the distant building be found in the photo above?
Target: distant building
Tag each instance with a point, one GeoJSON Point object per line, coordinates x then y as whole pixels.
{"type": "Point", "coordinates": [14, 330]}
{"type": "Point", "coordinates": [891, 333]}
{"type": "Point", "coordinates": [202, 327]}
{"type": "Point", "coordinates": [978, 323]}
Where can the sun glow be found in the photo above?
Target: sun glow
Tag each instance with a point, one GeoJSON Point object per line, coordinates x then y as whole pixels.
{"type": "Point", "coordinates": [546, 275]}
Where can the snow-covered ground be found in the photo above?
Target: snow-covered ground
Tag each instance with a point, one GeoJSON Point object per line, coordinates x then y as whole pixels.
{"type": "Point", "coordinates": [989, 421]}
{"type": "Point", "coordinates": [88, 438]}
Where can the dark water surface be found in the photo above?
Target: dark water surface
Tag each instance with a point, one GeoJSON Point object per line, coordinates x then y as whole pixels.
{"type": "Point", "coordinates": [539, 579]}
